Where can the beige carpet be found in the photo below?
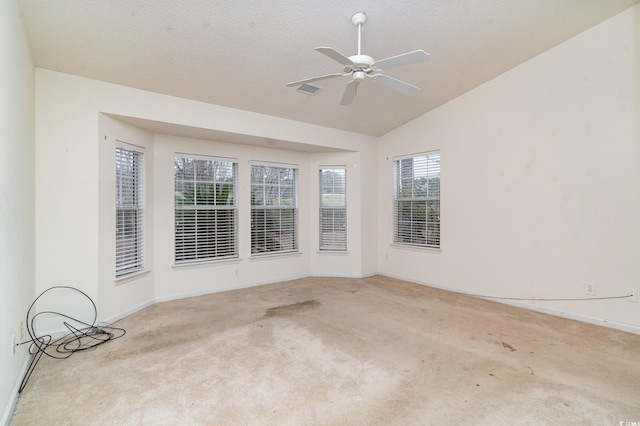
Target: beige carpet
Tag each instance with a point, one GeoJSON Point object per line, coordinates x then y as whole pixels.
{"type": "Point", "coordinates": [375, 351]}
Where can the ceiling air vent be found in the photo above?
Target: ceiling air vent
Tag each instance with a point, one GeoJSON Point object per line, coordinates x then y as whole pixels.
{"type": "Point", "coordinates": [308, 89]}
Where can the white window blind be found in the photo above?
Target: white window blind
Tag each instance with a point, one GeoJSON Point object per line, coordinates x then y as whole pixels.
{"type": "Point", "coordinates": [129, 211]}
{"type": "Point", "coordinates": [206, 211]}
{"type": "Point", "coordinates": [274, 209]}
{"type": "Point", "coordinates": [333, 209]}
{"type": "Point", "coordinates": [417, 200]}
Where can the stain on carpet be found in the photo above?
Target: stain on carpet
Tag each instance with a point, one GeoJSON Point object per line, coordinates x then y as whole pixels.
{"type": "Point", "coordinates": [508, 346]}
{"type": "Point", "coordinates": [293, 309]}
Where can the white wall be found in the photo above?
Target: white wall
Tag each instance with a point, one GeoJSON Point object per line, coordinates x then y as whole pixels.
{"type": "Point", "coordinates": [540, 179]}
{"type": "Point", "coordinates": [75, 165]}
{"type": "Point", "coordinates": [369, 214]}
{"type": "Point", "coordinates": [17, 202]}
{"type": "Point", "coordinates": [123, 295]}
{"type": "Point", "coordinates": [349, 263]}
{"type": "Point", "coordinates": [174, 281]}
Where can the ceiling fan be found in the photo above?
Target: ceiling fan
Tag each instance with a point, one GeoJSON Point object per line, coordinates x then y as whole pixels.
{"type": "Point", "coordinates": [360, 66]}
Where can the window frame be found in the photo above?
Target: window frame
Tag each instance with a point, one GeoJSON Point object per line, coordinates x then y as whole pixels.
{"type": "Point", "coordinates": [270, 205]}
{"type": "Point", "coordinates": [326, 242]}
{"type": "Point", "coordinates": [130, 261]}
{"type": "Point", "coordinates": [417, 200]}
{"type": "Point", "coordinates": [196, 244]}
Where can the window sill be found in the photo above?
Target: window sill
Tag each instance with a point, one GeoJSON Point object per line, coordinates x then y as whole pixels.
{"type": "Point", "coordinates": [417, 248]}
{"type": "Point", "coordinates": [268, 256]}
{"type": "Point", "coordinates": [333, 253]}
{"type": "Point", "coordinates": [130, 277]}
{"type": "Point", "coordinates": [205, 263]}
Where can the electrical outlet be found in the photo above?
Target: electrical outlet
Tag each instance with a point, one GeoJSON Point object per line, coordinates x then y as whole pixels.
{"type": "Point", "coordinates": [236, 272]}
{"type": "Point", "coordinates": [13, 344]}
{"type": "Point", "coordinates": [590, 288]}
{"type": "Point", "coordinates": [634, 295]}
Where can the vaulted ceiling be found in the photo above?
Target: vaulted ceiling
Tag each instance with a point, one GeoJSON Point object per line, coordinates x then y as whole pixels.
{"type": "Point", "coordinates": [241, 54]}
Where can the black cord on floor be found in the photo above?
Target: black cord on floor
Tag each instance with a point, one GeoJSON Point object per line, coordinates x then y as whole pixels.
{"type": "Point", "coordinates": [83, 337]}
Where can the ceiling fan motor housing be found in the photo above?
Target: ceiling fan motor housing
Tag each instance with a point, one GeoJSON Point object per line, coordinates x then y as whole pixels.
{"type": "Point", "coordinates": [362, 65]}
{"type": "Point", "coordinates": [362, 61]}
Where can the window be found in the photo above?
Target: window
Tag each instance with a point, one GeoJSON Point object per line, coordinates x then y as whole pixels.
{"type": "Point", "coordinates": [417, 200]}
{"type": "Point", "coordinates": [333, 209]}
{"type": "Point", "coordinates": [129, 209]}
{"type": "Point", "coordinates": [206, 213]}
{"type": "Point", "coordinates": [274, 209]}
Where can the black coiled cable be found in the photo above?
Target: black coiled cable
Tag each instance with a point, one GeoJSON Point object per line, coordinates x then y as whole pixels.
{"type": "Point", "coordinates": [83, 337]}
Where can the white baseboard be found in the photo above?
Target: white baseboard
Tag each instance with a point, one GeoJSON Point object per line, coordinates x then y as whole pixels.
{"type": "Point", "coordinates": [226, 288]}
{"type": "Point", "coordinates": [13, 398]}
{"type": "Point", "coordinates": [128, 312]}
{"type": "Point", "coordinates": [370, 274]}
{"type": "Point", "coordinates": [582, 318]}
{"type": "Point", "coordinates": [357, 276]}
{"type": "Point", "coordinates": [521, 304]}
{"type": "Point", "coordinates": [220, 290]}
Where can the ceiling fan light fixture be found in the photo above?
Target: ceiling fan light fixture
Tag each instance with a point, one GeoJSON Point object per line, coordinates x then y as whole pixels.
{"type": "Point", "coordinates": [308, 89]}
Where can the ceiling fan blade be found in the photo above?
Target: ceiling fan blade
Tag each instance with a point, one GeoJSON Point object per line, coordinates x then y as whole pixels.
{"type": "Point", "coordinates": [335, 55]}
{"type": "Point", "coordinates": [320, 77]}
{"type": "Point", "coordinates": [395, 84]}
{"type": "Point", "coordinates": [410, 58]}
{"type": "Point", "coordinates": [350, 92]}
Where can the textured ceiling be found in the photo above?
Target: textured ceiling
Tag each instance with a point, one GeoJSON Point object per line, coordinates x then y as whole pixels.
{"type": "Point", "coordinates": [241, 53]}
